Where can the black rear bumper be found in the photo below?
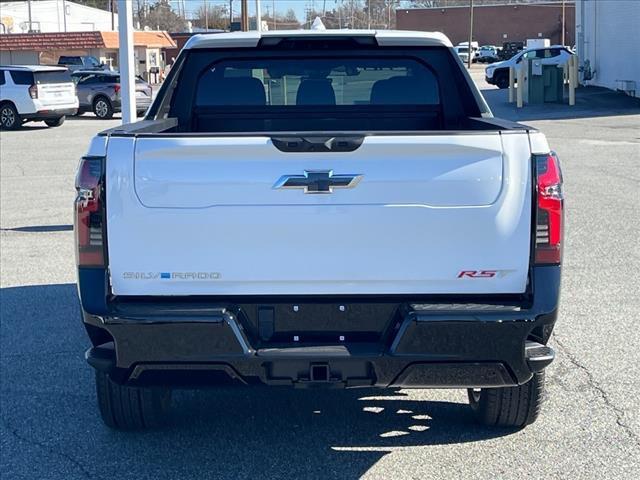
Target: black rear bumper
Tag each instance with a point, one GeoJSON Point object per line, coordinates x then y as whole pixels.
{"type": "Point", "coordinates": [424, 344]}
{"type": "Point", "coordinates": [49, 114]}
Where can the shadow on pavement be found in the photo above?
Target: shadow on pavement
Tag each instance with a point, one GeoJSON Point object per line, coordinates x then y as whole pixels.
{"type": "Point", "coordinates": [27, 127]}
{"type": "Point", "coordinates": [89, 116]}
{"type": "Point", "coordinates": [590, 102]}
{"type": "Point", "coordinates": [51, 426]}
{"type": "Point", "coordinates": [40, 228]}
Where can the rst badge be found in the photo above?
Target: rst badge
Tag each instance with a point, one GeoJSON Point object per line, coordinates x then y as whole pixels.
{"type": "Point", "coordinates": [484, 273]}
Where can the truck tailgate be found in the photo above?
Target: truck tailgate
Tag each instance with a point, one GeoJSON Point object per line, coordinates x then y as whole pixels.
{"type": "Point", "coordinates": [208, 216]}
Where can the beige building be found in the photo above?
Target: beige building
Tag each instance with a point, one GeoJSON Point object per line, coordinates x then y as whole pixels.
{"type": "Point", "coordinates": [46, 48]}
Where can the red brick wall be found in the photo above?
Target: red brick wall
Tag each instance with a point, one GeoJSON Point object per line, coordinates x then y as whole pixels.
{"type": "Point", "coordinates": [518, 22]}
{"type": "Point", "coordinates": [180, 39]}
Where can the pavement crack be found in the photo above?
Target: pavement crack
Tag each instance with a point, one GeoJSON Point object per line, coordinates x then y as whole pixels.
{"type": "Point", "coordinates": [619, 413]}
{"type": "Point", "coordinates": [48, 448]}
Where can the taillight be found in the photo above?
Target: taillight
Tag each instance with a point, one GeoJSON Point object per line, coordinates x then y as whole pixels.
{"type": "Point", "coordinates": [549, 214]}
{"type": "Point", "coordinates": [89, 213]}
{"type": "Point", "coordinates": [33, 91]}
{"type": "Point", "coordinates": [116, 87]}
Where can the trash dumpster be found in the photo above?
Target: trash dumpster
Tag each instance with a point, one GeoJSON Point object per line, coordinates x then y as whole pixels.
{"type": "Point", "coordinates": [546, 82]}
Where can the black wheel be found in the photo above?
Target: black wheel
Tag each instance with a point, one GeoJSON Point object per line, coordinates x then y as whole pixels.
{"type": "Point", "coordinates": [131, 408]}
{"type": "Point", "coordinates": [9, 118]}
{"type": "Point", "coordinates": [502, 80]}
{"type": "Point", "coordinates": [55, 122]}
{"type": "Point", "coordinates": [511, 406]}
{"type": "Point", "coordinates": [102, 108]}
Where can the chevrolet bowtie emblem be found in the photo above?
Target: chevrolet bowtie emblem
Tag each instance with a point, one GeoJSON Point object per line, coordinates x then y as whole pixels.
{"type": "Point", "coordinates": [318, 181]}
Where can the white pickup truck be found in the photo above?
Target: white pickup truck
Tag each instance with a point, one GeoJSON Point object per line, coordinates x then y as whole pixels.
{"type": "Point", "coordinates": [319, 209]}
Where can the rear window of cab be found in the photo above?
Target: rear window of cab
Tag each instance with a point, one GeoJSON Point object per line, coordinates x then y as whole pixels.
{"type": "Point", "coordinates": [341, 82]}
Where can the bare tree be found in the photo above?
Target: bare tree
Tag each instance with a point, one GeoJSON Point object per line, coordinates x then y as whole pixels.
{"type": "Point", "coordinates": [376, 14]}
{"type": "Point", "coordinates": [211, 16]}
{"type": "Point", "coordinates": [157, 15]}
{"type": "Point", "coordinates": [463, 3]}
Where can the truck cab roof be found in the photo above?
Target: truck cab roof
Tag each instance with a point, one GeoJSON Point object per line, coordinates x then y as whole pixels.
{"type": "Point", "coordinates": [381, 37]}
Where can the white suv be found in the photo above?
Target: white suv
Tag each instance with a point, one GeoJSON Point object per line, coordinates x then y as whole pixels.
{"type": "Point", "coordinates": [35, 93]}
{"type": "Point", "coordinates": [498, 73]}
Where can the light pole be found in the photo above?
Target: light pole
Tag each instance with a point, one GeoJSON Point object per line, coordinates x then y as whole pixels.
{"type": "Point", "coordinates": [126, 60]}
{"type": "Point", "coordinates": [258, 16]}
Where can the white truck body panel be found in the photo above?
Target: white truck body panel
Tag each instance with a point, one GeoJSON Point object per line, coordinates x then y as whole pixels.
{"type": "Point", "coordinates": [384, 38]}
{"type": "Point", "coordinates": [200, 216]}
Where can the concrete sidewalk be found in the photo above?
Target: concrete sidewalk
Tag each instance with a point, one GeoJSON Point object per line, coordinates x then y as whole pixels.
{"type": "Point", "coordinates": [590, 102]}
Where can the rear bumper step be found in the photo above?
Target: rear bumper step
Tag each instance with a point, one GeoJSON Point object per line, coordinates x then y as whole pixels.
{"type": "Point", "coordinates": [538, 356]}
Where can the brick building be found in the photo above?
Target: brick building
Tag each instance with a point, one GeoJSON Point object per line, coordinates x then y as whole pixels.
{"type": "Point", "coordinates": [494, 24]}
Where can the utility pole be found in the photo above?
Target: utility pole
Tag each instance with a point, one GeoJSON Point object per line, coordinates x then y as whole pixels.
{"type": "Point", "coordinates": [563, 21]}
{"type": "Point", "coordinates": [244, 16]}
{"type": "Point", "coordinates": [113, 14]}
{"type": "Point", "coordinates": [274, 14]}
{"type": "Point", "coordinates": [64, 14]}
{"type": "Point", "coordinates": [469, 49]}
{"type": "Point", "coordinates": [230, 13]}
{"type": "Point", "coordinates": [206, 16]}
{"type": "Point", "coordinates": [29, 9]}
{"type": "Point", "coordinates": [368, 14]}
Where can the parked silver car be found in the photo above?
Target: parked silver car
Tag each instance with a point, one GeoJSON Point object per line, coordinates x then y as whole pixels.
{"type": "Point", "coordinates": [99, 92]}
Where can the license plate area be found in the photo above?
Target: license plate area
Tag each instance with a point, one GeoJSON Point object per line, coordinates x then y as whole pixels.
{"type": "Point", "coordinates": [312, 323]}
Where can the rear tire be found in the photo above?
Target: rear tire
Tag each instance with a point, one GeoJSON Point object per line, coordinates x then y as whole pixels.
{"type": "Point", "coordinates": [56, 122]}
{"type": "Point", "coordinates": [502, 80]}
{"type": "Point", "coordinates": [9, 117]}
{"type": "Point", "coordinates": [514, 407]}
{"type": "Point", "coordinates": [131, 408]}
{"type": "Point", "coordinates": [102, 108]}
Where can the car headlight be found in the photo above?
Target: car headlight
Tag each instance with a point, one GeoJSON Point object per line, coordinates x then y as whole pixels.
{"type": "Point", "coordinates": [489, 71]}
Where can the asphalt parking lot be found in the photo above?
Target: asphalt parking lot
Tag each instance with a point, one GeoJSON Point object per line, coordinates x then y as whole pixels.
{"type": "Point", "coordinates": [590, 426]}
